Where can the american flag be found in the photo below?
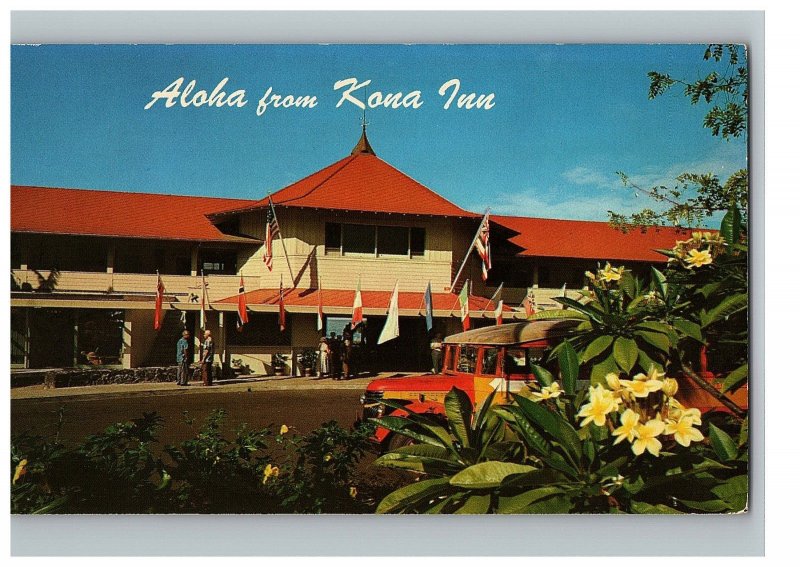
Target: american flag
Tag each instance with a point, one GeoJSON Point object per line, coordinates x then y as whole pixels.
{"type": "Point", "coordinates": [482, 246]}
{"type": "Point", "coordinates": [272, 233]}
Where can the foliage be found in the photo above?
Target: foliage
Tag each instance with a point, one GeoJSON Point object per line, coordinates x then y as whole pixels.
{"type": "Point", "coordinates": [308, 358]}
{"type": "Point", "coordinates": [123, 470]}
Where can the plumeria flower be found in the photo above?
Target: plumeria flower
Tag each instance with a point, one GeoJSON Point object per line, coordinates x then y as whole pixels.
{"type": "Point", "coordinates": [698, 258]}
{"type": "Point", "coordinates": [609, 274]}
{"type": "Point", "coordinates": [683, 431]}
{"type": "Point", "coordinates": [548, 392]}
{"type": "Point", "coordinates": [647, 437]}
{"type": "Point", "coordinates": [601, 403]}
{"type": "Point", "coordinates": [692, 414]}
{"type": "Point", "coordinates": [284, 430]}
{"type": "Point", "coordinates": [270, 472]}
{"type": "Point", "coordinates": [670, 387]}
{"type": "Point", "coordinates": [627, 430]}
{"type": "Point", "coordinates": [641, 388]}
{"type": "Point", "coordinates": [612, 380]}
{"type": "Point", "coordinates": [353, 492]}
{"type": "Point", "coordinates": [327, 457]}
{"type": "Point", "coordinates": [20, 471]}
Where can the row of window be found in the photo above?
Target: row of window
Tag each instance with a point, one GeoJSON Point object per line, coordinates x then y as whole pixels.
{"type": "Point", "coordinates": [518, 361]}
{"type": "Point", "coordinates": [374, 240]}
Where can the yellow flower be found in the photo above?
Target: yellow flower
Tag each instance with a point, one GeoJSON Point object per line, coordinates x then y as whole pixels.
{"type": "Point", "coordinates": [641, 387]}
{"type": "Point", "coordinates": [20, 471]}
{"type": "Point", "coordinates": [629, 420]}
{"type": "Point", "coordinates": [270, 472]}
{"type": "Point", "coordinates": [284, 430]}
{"type": "Point", "coordinates": [697, 258]}
{"type": "Point", "coordinates": [353, 492]}
{"type": "Point", "coordinates": [327, 457]}
{"type": "Point", "coordinates": [670, 387]}
{"type": "Point", "coordinates": [646, 437]}
{"type": "Point", "coordinates": [601, 403]}
{"type": "Point", "coordinates": [609, 274]}
{"type": "Point", "coordinates": [613, 381]}
{"type": "Point", "coordinates": [692, 414]}
{"type": "Point", "coordinates": [548, 392]}
{"type": "Point", "coordinates": [683, 431]}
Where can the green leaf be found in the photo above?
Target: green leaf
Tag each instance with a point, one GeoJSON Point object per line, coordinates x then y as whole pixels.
{"type": "Point", "coordinates": [730, 305]}
{"type": "Point", "coordinates": [723, 445]}
{"type": "Point", "coordinates": [593, 313]}
{"type": "Point", "coordinates": [733, 492]}
{"type": "Point", "coordinates": [711, 506]}
{"type": "Point", "coordinates": [553, 424]}
{"type": "Point", "coordinates": [568, 362]}
{"type": "Point", "coordinates": [736, 378]}
{"type": "Point", "coordinates": [542, 374]}
{"type": "Point", "coordinates": [658, 340]}
{"type": "Point", "coordinates": [599, 371]}
{"type": "Point", "coordinates": [402, 426]}
{"type": "Point", "coordinates": [555, 504]}
{"type": "Point", "coordinates": [597, 347]}
{"type": "Point", "coordinates": [458, 408]}
{"type": "Point", "coordinates": [515, 504]}
{"type": "Point", "coordinates": [731, 227]}
{"type": "Point", "coordinates": [645, 508]}
{"type": "Point", "coordinates": [557, 314]}
{"type": "Point", "coordinates": [487, 475]}
{"type": "Point", "coordinates": [625, 353]}
{"type": "Point", "coordinates": [660, 282]}
{"type": "Point", "coordinates": [475, 504]}
{"type": "Point", "coordinates": [410, 494]}
{"type": "Point", "coordinates": [646, 362]}
{"type": "Point", "coordinates": [689, 328]}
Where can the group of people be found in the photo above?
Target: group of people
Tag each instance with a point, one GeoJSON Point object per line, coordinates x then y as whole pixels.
{"type": "Point", "coordinates": [335, 355]}
{"type": "Point", "coordinates": [206, 359]}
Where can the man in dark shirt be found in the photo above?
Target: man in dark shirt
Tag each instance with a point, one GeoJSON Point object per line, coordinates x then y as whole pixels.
{"type": "Point", "coordinates": [183, 359]}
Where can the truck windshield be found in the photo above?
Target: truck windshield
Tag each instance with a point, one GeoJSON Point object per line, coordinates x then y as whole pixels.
{"type": "Point", "coordinates": [520, 360]}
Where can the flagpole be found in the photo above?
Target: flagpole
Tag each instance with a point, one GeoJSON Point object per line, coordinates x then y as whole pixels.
{"type": "Point", "coordinates": [491, 299]}
{"type": "Point", "coordinates": [469, 250]}
{"type": "Point", "coordinates": [283, 243]}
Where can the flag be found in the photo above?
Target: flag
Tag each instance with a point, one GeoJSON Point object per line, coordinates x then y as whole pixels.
{"type": "Point", "coordinates": [483, 248]}
{"type": "Point", "coordinates": [463, 299]}
{"type": "Point", "coordinates": [530, 302]}
{"type": "Point", "coordinates": [319, 308]}
{"type": "Point", "coordinates": [428, 307]}
{"type": "Point", "coordinates": [358, 306]}
{"type": "Point", "coordinates": [272, 233]}
{"type": "Point", "coordinates": [160, 289]}
{"type": "Point", "coordinates": [564, 294]}
{"type": "Point", "coordinates": [241, 316]}
{"type": "Point", "coordinates": [203, 320]}
{"type": "Point", "coordinates": [281, 308]}
{"type": "Point", "coordinates": [391, 329]}
{"type": "Point", "coordinates": [498, 313]}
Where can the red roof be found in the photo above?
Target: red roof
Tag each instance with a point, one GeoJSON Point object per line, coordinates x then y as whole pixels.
{"type": "Point", "coordinates": [343, 298]}
{"type": "Point", "coordinates": [116, 213]}
{"type": "Point", "coordinates": [363, 182]}
{"type": "Point", "coordinates": [588, 239]}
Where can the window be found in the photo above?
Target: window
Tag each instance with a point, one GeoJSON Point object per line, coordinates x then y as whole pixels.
{"type": "Point", "coordinates": [392, 241]}
{"type": "Point", "coordinates": [467, 359]}
{"type": "Point", "coordinates": [358, 239]}
{"type": "Point", "coordinates": [218, 261]}
{"type": "Point", "coordinates": [516, 361]}
{"type": "Point", "coordinates": [99, 338]}
{"type": "Point", "coordinates": [262, 329]}
{"type": "Point", "coordinates": [333, 237]}
{"type": "Point", "coordinates": [417, 242]}
{"type": "Point", "coordinates": [19, 339]}
{"type": "Point", "coordinates": [489, 362]}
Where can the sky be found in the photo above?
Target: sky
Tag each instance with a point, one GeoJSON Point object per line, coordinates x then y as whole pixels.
{"type": "Point", "coordinates": [564, 120]}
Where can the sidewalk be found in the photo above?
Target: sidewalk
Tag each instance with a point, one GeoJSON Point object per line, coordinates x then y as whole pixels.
{"type": "Point", "coordinates": [239, 384]}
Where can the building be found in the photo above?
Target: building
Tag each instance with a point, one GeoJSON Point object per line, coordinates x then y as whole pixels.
{"type": "Point", "coordinates": [84, 266]}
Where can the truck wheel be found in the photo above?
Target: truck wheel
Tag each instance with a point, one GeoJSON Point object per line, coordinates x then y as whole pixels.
{"type": "Point", "coordinates": [396, 441]}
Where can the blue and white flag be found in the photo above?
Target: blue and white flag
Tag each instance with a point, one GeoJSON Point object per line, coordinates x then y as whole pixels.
{"type": "Point", "coordinates": [428, 307]}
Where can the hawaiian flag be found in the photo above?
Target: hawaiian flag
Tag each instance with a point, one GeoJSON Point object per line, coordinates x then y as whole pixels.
{"type": "Point", "coordinates": [463, 299]}
{"type": "Point", "coordinates": [482, 246]}
{"type": "Point", "coordinates": [160, 289]}
{"type": "Point", "coordinates": [272, 233]}
{"type": "Point", "coordinates": [241, 315]}
{"type": "Point", "coordinates": [358, 307]}
{"type": "Point", "coordinates": [281, 308]}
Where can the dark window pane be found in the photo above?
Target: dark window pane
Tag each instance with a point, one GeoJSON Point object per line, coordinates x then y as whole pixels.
{"type": "Point", "coordinates": [18, 336]}
{"type": "Point", "coordinates": [99, 336]}
{"type": "Point", "coordinates": [218, 261]}
{"type": "Point", "coordinates": [262, 329]}
{"type": "Point", "coordinates": [516, 361]}
{"type": "Point", "coordinates": [358, 239]}
{"type": "Point", "coordinates": [333, 236]}
{"type": "Point", "coordinates": [467, 359]}
{"type": "Point", "coordinates": [393, 240]}
{"type": "Point", "coordinates": [489, 361]}
{"type": "Point", "coordinates": [417, 241]}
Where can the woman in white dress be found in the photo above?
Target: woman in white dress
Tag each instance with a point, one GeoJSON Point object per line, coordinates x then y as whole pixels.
{"type": "Point", "coordinates": [324, 357]}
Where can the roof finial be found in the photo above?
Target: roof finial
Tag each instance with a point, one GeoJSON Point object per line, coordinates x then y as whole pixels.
{"type": "Point", "coordinates": [363, 147]}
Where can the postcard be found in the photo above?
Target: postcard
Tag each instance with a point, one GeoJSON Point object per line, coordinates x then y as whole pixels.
{"type": "Point", "coordinates": [379, 279]}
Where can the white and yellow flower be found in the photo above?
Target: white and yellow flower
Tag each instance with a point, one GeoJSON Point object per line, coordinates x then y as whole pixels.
{"type": "Point", "coordinates": [641, 386]}
{"type": "Point", "coordinates": [610, 274]}
{"type": "Point", "coordinates": [697, 258]}
{"type": "Point", "coordinates": [601, 403]}
{"type": "Point", "coordinates": [670, 387]}
{"type": "Point", "coordinates": [270, 472]}
{"type": "Point", "coordinates": [629, 420]}
{"type": "Point", "coordinates": [548, 392]}
{"type": "Point", "coordinates": [284, 430]}
{"type": "Point", "coordinates": [20, 471]}
{"type": "Point", "coordinates": [612, 380]}
{"type": "Point", "coordinates": [683, 431]}
{"type": "Point", "coordinates": [647, 437]}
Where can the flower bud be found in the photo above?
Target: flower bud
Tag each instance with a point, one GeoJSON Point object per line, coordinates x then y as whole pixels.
{"type": "Point", "coordinates": [613, 381]}
{"type": "Point", "coordinates": [670, 387]}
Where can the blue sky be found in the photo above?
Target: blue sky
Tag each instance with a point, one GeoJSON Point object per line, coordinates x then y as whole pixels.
{"type": "Point", "coordinates": [565, 119]}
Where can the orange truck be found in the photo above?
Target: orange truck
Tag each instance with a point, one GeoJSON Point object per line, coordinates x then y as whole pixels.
{"type": "Point", "coordinates": [487, 359]}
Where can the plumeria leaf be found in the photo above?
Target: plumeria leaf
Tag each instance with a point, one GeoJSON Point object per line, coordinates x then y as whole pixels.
{"type": "Point", "coordinates": [489, 474]}
{"type": "Point", "coordinates": [475, 504]}
{"type": "Point", "coordinates": [689, 328]}
{"type": "Point", "coordinates": [711, 506]}
{"type": "Point", "coordinates": [553, 424]}
{"type": "Point", "coordinates": [736, 378]}
{"type": "Point", "coordinates": [731, 226]}
{"type": "Point", "coordinates": [599, 371]}
{"type": "Point", "coordinates": [568, 363]}
{"type": "Point", "coordinates": [730, 305]}
{"type": "Point", "coordinates": [553, 504]}
{"type": "Point", "coordinates": [410, 494]}
{"type": "Point", "coordinates": [645, 508]}
{"type": "Point", "coordinates": [733, 492]}
{"type": "Point", "coordinates": [597, 347]}
{"type": "Point", "coordinates": [558, 314]}
{"type": "Point", "coordinates": [625, 353]}
{"type": "Point", "coordinates": [660, 282]}
{"type": "Point", "coordinates": [542, 374]}
{"type": "Point", "coordinates": [458, 408]}
{"type": "Point", "coordinates": [657, 340]}
{"type": "Point", "coordinates": [723, 445]}
{"type": "Point", "coordinates": [515, 504]}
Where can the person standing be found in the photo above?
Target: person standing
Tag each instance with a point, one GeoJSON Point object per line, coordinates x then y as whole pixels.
{"type": "Point", "coordinates": [436, 353]}
{"type": "Point", "coordinates": [207, 359]}
{"type": "Point", "coordinates": [324, 357]}
{"type": "Point", "coordinates": [347, 350]}
{"type": "Point", "coordinates": [183, 359]}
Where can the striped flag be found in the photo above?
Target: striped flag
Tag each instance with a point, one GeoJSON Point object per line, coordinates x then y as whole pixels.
{"type": "Point", "coordinates": [241, 315]}
{"type": "Point", "coordinates": [319, 308]}
{"type": "Point", "coordinates": [358, 306]}
{"type": "Point", "coordinates": [272, 233]}
{"type": "Point", "coordinates": [160, 289]}
{"type": "Point", "coordinates": [428, 307]}
{"type": "Point", "coordinates": [463, 299]}
{"type": "Point", "coordinates": [483, 248]}
{"type": "Point", "coordinates": [281, 309]}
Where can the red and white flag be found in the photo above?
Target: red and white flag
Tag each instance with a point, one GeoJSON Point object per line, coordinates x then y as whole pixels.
{"type": "Point", "coordinates": [498, 313]}
{"type": "Point", "coordinates": [160, 289]}
{"type": "Point", "coordinates": [530, 302]}
{"type": "Point", "coordinates": [483, 248]}
{"type": "Point", "coordinates": [273, 231]}
{"type": "Point", "coordinates": [463, 299]}
{"type": "Point", "coordinates": [358, 307]}
{"type": "Point", "coordinates": [241, 316]}
{"type": "Point", "coordinates": [281, 308]}
{"type": "Point", "coordinates": [319, 308]}
{"type": "Point", "coordinates": [203, 319]}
